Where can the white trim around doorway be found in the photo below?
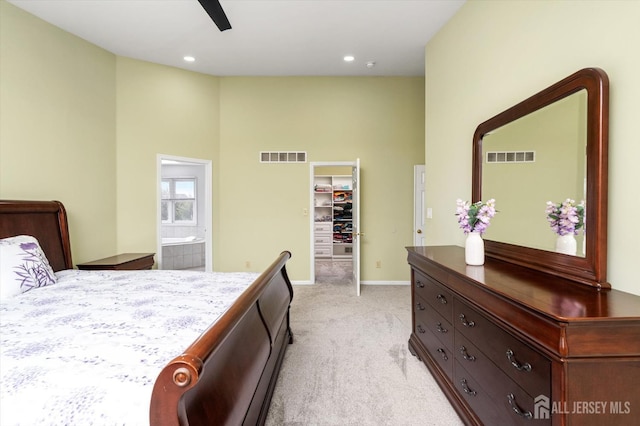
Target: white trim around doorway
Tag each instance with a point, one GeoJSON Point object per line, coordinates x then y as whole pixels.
{"type": "Point", "coordinates": [312, 167]}
{"type": "Point", "coordinates": [208, 200]}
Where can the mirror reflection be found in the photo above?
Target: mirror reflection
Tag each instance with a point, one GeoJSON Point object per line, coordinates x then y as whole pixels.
{"type": "Point", "coordinates": [538, 158]}
{"type": "Point", "coordinates": [564, 165]}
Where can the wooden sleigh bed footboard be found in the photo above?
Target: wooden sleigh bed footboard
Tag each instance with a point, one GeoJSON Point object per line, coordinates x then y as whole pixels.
{"type": "Point", "coordinates": [227, 376]}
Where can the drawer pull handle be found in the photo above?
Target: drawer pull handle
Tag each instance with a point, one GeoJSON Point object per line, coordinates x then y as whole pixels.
{"type": "Point", "coordinates": [466, 388]}
{"type": "Point", "coordinates": [465, 355]}
{"type": "Point", "coordinates": [466, 323]}
{"type": "Point", "coordinates": [420, 329]}
{"type": "Point", "coordinates": [442, 299]}
{"type": "Point", "coordinates": [419, 284]}
{"type": "Point", "coordinates": [443, 354]}
{"type": "Point", "coordinates": [420, 306]}
{"type": "Point", "coordinates": [440, 328]}
{"type": "Point", "coordinates": [520, 367]}
{"type": "Point", "coordinates": [516, 409]}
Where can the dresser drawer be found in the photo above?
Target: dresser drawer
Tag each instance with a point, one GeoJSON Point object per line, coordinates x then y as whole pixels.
{"type": "Point", "coordinates": [434, 322]}
{"type": "Point", "coordinates": [494, 404]}
{"type": "Point", "coordinates": [434, 294]}
{"type": "Point", "coordinates": [526, 366]}
{"type": "Point", "coordinates": [439, 352]}
{"type": "Point", "coordinates": [483, 370]}
{"type": "Point", "coordinates": [489, 411]}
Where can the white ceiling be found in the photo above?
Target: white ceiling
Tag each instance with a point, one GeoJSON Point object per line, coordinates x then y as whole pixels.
{"type": "Point", "coordinates": [268, 38]}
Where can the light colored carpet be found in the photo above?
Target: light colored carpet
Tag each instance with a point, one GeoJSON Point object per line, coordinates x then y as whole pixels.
{"type": "Point", "coordinates": [338, 272]}
{"type": "Point", "coordinates": [350, 364]}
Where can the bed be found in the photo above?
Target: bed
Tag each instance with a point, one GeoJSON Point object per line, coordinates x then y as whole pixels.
{"type": "Point", "coordinates": [99, 347]}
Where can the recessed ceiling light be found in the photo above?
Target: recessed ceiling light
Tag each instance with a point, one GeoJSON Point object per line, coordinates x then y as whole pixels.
{"type": "Point", "coordinates": [349, 58]}
{"type": "Point", "coordinates": [189, 58]}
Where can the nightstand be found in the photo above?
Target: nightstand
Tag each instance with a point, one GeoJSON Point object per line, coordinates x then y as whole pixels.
{"type": "Point", "coordinates": [120, 262]}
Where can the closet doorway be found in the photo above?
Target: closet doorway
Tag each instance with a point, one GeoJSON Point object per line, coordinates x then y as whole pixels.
{"type": "Point", "coordinates": [184, 213]}
{"type": "Point", "coordinates": [335, 223]}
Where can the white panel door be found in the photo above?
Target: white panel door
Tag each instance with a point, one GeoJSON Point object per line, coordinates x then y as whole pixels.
{"type": "Point", "coordinates": [357, 233]}
{"type": "Point", "coordinates": [418, 205]}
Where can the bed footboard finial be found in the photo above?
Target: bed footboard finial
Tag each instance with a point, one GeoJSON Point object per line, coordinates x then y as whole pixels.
{"type": "Point", "coordinates": [176, 378]}
{"type": "Point", "coordinates": [182, 377]}
{"type": "Point", "coordinates": [187, 369]}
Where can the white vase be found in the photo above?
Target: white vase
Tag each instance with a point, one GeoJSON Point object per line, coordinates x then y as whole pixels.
{"type": "Point", "coordinates": [474, 249]}
{"type": "Point", "coordinates": [566, 244]}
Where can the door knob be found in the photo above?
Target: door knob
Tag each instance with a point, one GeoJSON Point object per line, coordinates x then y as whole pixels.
{"type": "Point", "coordinates": [419, 231]}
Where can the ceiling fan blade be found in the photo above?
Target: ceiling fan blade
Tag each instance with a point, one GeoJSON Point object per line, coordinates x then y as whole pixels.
{"type": "Point", "coordinates": [213, 8]}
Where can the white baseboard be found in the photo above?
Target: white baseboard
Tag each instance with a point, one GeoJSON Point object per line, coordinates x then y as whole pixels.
{"type": "Point", "coordinates": [307, 282]}
{"type": "Point", "coordinates": [385, 282]}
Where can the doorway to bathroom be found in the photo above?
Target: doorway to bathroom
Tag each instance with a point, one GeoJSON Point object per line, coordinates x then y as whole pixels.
{"type": "Point", "coordinates": [184, 213]}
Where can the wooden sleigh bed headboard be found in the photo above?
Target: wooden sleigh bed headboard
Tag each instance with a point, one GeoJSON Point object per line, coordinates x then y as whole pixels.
{"type": "Point", "coordinates": [44, 220]}
{"type": "Point", "coordinates": [228, 374]}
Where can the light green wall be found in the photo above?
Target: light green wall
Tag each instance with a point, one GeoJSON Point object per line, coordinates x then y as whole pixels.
{"type": "Point", "coordinates": [494, 54]}
{"type": "Point", "coordinates": [92, 124]}
{"type": "Point", "coordinates": [379, 120]}
{"type": "Point", "coordinates": [57, 127]}
{"type": "Point", "coordinates": [556, 134]}
{"type": "Point", "coordinates": [58, 115]}
{"type": "Point", "coordinates": [160, 110]}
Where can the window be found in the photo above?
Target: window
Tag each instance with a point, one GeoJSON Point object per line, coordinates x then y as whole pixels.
{"type": "Point", "coordinates": [179, 201]}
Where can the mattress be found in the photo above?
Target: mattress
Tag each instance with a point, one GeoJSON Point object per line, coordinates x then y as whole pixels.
{"type": "Point", "coordinates": [87, 350]}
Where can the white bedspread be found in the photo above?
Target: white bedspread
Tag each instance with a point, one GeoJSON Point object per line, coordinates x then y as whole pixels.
{"type": "Point", "coordinates": [87, 350]}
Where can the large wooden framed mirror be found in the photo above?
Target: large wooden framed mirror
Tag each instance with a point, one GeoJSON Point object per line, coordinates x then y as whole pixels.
{"type": "Point", "coordinates": [549, 147]}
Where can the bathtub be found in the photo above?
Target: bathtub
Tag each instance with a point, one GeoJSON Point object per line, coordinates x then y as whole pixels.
{"type": "Point", "coordinates": [183, 253]}
{"type": "Point", "coordinates": [172, 241]}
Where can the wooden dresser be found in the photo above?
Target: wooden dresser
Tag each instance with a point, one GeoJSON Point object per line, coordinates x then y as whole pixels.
{"type": "Point", "coordinates": [511, 345]}
{"type": "Point", "coordinates": [121, 262]}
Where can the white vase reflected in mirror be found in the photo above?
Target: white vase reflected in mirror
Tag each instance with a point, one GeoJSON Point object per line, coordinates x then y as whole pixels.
{"type": "Point", "coordinates": [566, 244]}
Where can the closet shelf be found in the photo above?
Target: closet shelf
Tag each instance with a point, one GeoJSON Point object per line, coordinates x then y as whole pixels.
{"type": "Point", "coordinates": [335, 193]}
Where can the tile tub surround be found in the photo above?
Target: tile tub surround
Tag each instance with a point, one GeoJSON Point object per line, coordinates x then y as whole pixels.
{"type": "Point", "coordinates": [183, 256]}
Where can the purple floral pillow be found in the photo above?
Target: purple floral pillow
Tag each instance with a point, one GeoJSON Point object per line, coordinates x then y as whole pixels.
{"type": "Point", "coordinates": [23, 266]}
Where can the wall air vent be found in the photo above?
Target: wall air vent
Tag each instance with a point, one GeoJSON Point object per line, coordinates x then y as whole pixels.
{"type": "Point", "coordinates": [511, 156]}
{"type": "Point", "coordinates": [283, 157]}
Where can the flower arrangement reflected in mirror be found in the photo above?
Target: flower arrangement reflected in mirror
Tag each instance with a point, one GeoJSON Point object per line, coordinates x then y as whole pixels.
{"type": "Point", "coordinates": [566, 219]}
